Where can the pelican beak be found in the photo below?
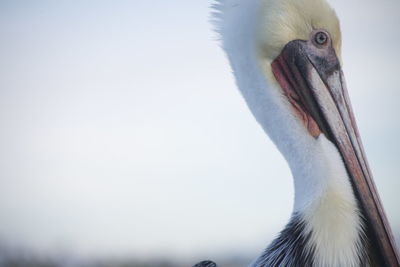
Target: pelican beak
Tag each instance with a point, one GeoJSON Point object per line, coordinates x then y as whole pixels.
{"type": "Point", "coordinates": [310, 75]}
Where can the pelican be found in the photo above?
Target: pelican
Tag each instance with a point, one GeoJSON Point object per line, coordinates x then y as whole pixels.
{"type": "Point", "coordinates": [286, 59]}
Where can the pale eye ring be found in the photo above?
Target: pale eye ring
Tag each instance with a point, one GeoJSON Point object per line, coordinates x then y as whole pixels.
{"type": "Point", "coordinates": [321, 38]}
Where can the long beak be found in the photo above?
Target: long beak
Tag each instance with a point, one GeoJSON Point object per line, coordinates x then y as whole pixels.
{"type": "Point", "coordinates": [311, 76]}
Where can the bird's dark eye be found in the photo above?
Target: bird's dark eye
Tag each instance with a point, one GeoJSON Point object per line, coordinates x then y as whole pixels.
{"type": "Point", "coordinates": [321, 38]}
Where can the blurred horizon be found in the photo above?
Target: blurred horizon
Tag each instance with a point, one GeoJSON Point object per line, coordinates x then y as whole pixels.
{"type": "Point", "coordinates": [125, 137]}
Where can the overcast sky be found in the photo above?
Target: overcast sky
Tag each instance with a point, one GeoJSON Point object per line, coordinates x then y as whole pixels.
{"type": "Point", "coordinates": [122, 132]}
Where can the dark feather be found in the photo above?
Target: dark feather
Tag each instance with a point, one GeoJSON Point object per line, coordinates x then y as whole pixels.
{"type": "Point", "coordinates": [289, 249]}
{"type": "Point", "coordinates": [206, 264]}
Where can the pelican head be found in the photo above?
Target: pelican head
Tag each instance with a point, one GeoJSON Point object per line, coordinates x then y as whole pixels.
{"type": "Point", "coordinates": [286, 58]}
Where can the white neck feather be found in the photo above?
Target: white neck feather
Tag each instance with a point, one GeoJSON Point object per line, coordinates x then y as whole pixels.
{"type": "Point", "coordinates": [325, 199]}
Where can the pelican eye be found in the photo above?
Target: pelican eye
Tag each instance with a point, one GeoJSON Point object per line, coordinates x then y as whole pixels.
{"type": "Point", "coordinates": [321, 38]}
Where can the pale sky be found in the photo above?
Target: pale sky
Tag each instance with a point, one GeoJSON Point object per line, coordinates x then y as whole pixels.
{"type": "Point", "coordinates": [122, 131]}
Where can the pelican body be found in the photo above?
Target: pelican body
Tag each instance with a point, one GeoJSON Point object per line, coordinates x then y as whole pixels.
{"type": "Point", "coordinates": [286, 58]}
